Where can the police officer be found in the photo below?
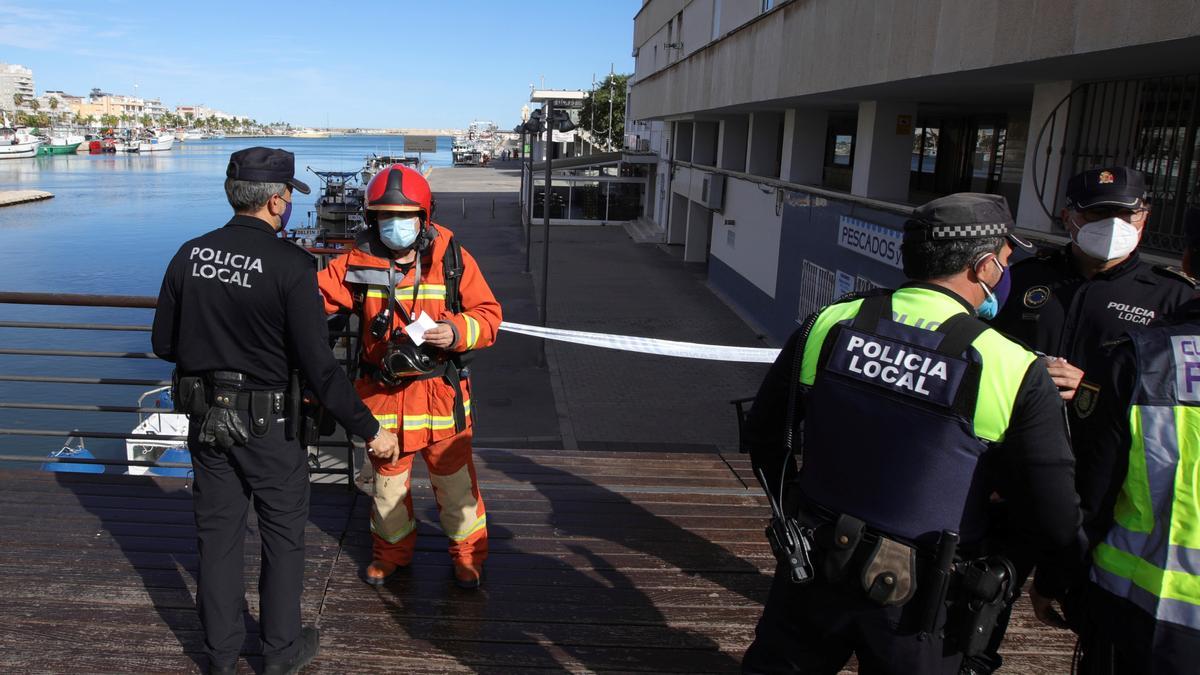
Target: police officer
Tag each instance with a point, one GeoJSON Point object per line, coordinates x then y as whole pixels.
{"type": "Point", "coordinates": [1138, 607]}
{"type": "Point", "coordinates": [913, 410]}
{"type": "Point", "coordinates": [1067, 302]}
{"type": "Point", "coordinates": [238, 311]}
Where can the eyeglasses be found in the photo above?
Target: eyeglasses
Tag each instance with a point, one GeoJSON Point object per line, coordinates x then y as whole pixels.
{"type": "Point", "coordinates": [1101, 212]}
{"type": "Point", "coordinates": [285, 201]}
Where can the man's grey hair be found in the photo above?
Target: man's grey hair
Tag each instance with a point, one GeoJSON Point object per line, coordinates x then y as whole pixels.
{"type": "Point", "coordinates": [247, 196]}
{"type": "Point", "coordinates": [938, 259]}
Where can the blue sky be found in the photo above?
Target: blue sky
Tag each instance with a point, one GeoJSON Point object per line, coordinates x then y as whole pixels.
{"type": "Point", "coordinates": [435, 63]}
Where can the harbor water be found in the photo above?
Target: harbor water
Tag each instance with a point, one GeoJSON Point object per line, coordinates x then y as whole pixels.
{"type": "Point", "coordinates": [114, 223]}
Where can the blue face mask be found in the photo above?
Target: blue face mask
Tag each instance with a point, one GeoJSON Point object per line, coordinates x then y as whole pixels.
{"type": "Point", "coordinates": [995, 296]}
{"type": "Point", "coordinates": [283, 218]}
{"type": "Point", "coordinates": [399, 232]}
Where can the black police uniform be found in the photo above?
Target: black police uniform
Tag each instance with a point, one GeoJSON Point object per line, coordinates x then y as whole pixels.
{"type": "Point", "coordinates": [241, 299]}
{"type": "Point", "coordinates": [1053, 309]}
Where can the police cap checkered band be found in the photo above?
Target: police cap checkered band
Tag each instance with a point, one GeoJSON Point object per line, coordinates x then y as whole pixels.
{"type": "Point", "coordinates": [968, 231]}
{"type": "Point", "coordinates": [966, 215]}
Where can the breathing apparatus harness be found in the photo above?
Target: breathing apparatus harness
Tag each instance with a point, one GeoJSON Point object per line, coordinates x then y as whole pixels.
{"type": "Point", "coordinates": [403, 360]}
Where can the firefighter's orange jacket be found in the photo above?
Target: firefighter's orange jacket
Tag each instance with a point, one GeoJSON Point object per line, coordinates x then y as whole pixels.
{"type": "Point", "coordinates": [423, 410]}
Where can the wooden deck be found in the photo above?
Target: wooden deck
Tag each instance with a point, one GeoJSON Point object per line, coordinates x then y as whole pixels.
{"type": "Point", "coordinates": [600, 562]}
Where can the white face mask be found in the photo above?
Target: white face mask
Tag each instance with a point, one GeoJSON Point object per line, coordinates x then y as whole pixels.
{"type": "Point", "coordinates": [1107, 239]}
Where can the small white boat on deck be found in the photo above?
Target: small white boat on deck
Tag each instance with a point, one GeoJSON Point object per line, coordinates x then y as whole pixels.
{"type": "Point", "coordinates": [17, 144]}
{"type": "Point", "coordinates": [165, 423]}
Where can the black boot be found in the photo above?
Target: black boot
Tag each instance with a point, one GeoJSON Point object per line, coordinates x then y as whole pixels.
{"type": "Point", "coordinates": [309, 644]}
{"type": "Point", "coordinates": [214, 669]}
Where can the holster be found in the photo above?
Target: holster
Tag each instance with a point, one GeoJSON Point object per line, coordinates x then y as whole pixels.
{"type": "Point", "coordinates": [984, 590]}
{"type": "Point", "coordinates": [189, 395]}
{"type": "Point", "coordinates": [292, 406]}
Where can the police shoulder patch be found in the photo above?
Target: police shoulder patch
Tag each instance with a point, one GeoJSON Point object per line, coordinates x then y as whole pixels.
{"type": "Point", "coordinates": [1086, 397]}
{"type": "Point", "coordinates": [1036, 296]}
{"type": "Point", "coordinates": [1173, 272]}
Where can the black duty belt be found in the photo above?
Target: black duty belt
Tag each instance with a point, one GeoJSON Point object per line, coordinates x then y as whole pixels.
{"type": "Point", "coordinates": [242, 400]}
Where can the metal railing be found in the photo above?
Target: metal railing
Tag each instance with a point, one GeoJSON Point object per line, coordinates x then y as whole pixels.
{"type": "Point", "coordinates": [121, 302]}
{"type": "Point", "coordinates": [1149, 124]}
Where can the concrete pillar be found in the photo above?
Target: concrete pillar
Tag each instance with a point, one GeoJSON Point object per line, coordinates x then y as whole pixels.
{"type": "Point", "coordinates": [804, 146]}
{"type": "Point", "coordinates": [763, 156]}
{"type": "Point", "coordinates": [699, 228]}
{"type": "Point", "coordinates": [731, 150]}
{"type": "Point", "coordinates": [883, 150]}
{"type": "Point", "coordinates": [677, 227]}
{"type": "Point", "coordinates": [1030, 214]}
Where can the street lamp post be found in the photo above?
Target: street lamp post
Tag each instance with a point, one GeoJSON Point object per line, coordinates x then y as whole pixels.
{"type": "Point", "coordinates": [546, 213]}
{"type": "Point", "coordinates": [531, 127]}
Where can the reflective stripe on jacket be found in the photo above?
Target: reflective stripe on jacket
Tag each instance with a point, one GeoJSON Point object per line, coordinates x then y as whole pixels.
{"type": "Point", "coordinates": [1151, 556]}
{"type": "Point", "coordinates": [422, 409]}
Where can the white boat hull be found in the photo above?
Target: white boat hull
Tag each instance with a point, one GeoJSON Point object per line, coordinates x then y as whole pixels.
{"type": "Point", "coordinates": [160, 144]}
{"type": "Point", "coordinates": [19, 150]}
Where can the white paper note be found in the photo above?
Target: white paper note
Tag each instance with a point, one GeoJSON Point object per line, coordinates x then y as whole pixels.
{"type": "Point", "coordinates": [416, 329]}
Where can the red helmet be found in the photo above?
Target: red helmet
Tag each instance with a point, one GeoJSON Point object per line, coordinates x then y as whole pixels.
{"type": "Point", "coordinates": [399, 188]}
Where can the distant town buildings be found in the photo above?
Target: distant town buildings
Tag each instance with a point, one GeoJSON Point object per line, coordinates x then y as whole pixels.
{"type": "Point", "coordinates": [202, 112]}
{"type": "Point", "coordinates": [16, 86]}
{"type": "Point", "coordinates": [18, 97]}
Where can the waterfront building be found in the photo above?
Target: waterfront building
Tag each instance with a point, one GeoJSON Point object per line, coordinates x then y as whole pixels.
{"type": "Point", "coordinates": [201, 112]}
{"type": "Point", "coordinates": [131, 107]}
{"type": "Point", "coordinates": [155, 108]}
{"type": "Point", "coordinates": [792, 138]}
{"type": "Point", "coordinates": [15, 81]}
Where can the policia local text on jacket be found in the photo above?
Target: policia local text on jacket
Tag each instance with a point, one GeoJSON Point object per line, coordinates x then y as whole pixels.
{"type": "Point", "coordinates": [1137, 609]}
{"type": "Point", "coordinates": [914, 412]}
{"type": "Point", "coordinates": [239, 307]}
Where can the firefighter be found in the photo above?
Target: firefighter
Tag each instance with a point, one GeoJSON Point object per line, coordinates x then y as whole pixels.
{"type": "Point", "coordinates": [423, 306]}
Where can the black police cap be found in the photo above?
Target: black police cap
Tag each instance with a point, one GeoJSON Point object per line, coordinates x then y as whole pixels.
{"type": "Point", "coordinates": [1116, 186]}
{"type": "Point", "coordinates": [965, 215]}
{"type": "Point", "coordinates": [265, 165]}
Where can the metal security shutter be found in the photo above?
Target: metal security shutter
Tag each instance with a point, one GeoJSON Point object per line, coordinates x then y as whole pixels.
{"type": "Point", "coordinates": [816, 288]}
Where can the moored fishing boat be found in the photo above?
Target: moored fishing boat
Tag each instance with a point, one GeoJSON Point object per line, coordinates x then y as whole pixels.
{"type": "Point", "coordinates": [17, 144]}
{"type": "Point", "coordinates": [340, 199]}
{"type": "Point", "coordinates": [157, 142]}
{"type": "Point", "coordinates": [375, 163]}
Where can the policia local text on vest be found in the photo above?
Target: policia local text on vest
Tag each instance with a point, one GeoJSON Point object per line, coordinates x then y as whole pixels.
{"type": "Point", "coordinates": [914, 413]}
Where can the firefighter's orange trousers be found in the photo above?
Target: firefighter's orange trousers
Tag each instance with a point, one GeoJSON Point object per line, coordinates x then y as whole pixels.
{"type": "Point", "coordinates": [460, 506]}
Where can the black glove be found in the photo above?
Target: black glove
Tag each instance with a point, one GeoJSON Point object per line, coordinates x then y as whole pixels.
{"type": "Point", "coordinates": [222, 427]}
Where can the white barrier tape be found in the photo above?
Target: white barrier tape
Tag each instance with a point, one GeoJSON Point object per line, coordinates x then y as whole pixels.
{"type": "Point", "coordinates": [687, 350]}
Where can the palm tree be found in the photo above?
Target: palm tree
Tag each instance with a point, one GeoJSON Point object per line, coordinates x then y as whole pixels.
{"type": "Point", "coordinates": [34, 105]}
{"type": "Point", "coordinates": [189, 117]}
{"type": "Point", "coordinates": [18, 99]}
